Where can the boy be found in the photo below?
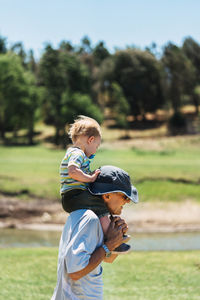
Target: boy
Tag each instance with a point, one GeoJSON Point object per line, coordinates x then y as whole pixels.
{"type": "Point", "coordinates": [75, 173]}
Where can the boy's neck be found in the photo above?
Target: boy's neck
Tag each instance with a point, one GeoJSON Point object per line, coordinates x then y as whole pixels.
{"type": "Point", "coordinates": [80, 144]}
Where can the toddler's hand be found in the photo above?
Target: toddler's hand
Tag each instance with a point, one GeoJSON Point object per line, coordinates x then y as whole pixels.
{"type": "Point", "coordinates": [94, 175]}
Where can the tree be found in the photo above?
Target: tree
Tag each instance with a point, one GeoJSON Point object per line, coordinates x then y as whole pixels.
{"type": "Point", "coordinates": [13, 94]}
{"type": "Point", "coordinates": [51, 77]}
{"type": "Point", "coordinates": [66, 46]}
{"type": "Point", "coordinates": [31, 63]}
{"type": "Point", "coordinates": [75, 73]}
{"type": "Point", "coordinates": [85, 45]}
{"type": "Point", "coordinates": [100, 53]}
{"type": "Point", "coordinates": [140, 76]}
{"type": "Point", "coordinates": [179, 74]}
{"type": "Point", "coordinates": [61, 71]}
{"type": "Point", "coordinates": [32, 104]}
{"type": "Point", "coordinates": [74, 104]}
{"type": "Point", "coordinates": [119, 105]}
{"type": "Point", "coordinates": [192, 50]}
{"type": "Point", "coordinates": [3, 48]}
{"type": "Point", "coordinates": [196, 98]}
{"type": "Point", "coordinates": [18, 48]}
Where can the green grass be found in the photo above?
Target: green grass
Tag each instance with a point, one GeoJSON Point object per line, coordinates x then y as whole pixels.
{"type": "Point", "coordinates": [158, 175]}
{"type": "Point", "coordinates": [35, 169]}
{"type": "Point", "coordinates": [31, 274]}
{"type": "Point", "coordinates": [27, 273]}
{"type": "Point", "coordinates": [154, 275]}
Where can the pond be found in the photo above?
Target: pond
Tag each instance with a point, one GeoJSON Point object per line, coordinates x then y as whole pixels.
{"type": "Point", "coordinates": [139, 241]}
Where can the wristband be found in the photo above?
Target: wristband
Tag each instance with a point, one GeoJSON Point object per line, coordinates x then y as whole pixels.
{"type": "Point", "coordinates": [108, 252]}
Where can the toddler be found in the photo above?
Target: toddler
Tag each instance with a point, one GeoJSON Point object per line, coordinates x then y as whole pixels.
{"type": "Point", "coordinates": [75, 174]}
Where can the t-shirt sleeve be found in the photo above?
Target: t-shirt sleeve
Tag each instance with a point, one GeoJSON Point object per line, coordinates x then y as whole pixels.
{"type": "Point", "coordinates": [82, 245]}
{"type": "Point", "coordinates": [76, 159]}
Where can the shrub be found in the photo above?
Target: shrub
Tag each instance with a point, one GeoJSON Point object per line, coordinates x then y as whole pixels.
{"type": "Point", "coordinates": [177, 124]}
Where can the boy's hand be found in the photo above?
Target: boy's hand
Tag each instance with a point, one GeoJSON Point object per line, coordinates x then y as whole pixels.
{"type": "Point", "coordinates": [114, 235]}
{"type": "Point", "coordinates": [120, 223]}
{"type": "Point", "coordinates": [94, 175]}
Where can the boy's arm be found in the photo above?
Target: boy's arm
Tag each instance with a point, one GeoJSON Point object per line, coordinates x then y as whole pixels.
{"type": "Point", "coordinates": [111, 258]}
{"type": "Point", "coordinates": [114, 239]}
{"type": "Point", "coordinates": [79, 175]}
{"type": "Point", "coordinates": [96, 258]}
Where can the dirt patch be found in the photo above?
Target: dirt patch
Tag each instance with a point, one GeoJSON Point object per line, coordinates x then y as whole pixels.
{"type": "Point", "coordinates": [163, 217]}
{"type": "Point", "coordinates": [15, 212]}
{"type": "Point", "coordinates": [144, 217]}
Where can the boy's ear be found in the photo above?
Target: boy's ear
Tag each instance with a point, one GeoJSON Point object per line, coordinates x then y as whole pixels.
{"type": "Point", "coordinates": [90, 139]}
{"type": "Point", "coordinates": [106, 196]}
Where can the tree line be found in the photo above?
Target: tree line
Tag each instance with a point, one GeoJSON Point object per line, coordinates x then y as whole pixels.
{"type": "Point", "coordinates": [71, 80]}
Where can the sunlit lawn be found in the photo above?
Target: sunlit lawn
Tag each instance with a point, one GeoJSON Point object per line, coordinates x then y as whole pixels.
{"type": "Point", "coordinates": [158, 175]}
{"type": "Point", "coordinates": [31, 274]}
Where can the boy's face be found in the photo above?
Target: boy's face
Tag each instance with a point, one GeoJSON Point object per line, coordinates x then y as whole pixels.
{"type": "Point", "coordinates": [115, 202]}
{"type": "Point", "coordinates": [93, 142]}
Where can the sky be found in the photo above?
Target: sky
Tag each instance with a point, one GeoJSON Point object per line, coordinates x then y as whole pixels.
{"type": "Point", "coordinates": [119, 23]}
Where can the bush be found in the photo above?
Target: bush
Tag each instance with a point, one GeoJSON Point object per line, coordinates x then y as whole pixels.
{"type": "Point", "coordinates": [177, 124]}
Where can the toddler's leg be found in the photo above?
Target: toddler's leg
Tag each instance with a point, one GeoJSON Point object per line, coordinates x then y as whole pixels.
{"type": "Point", "coordinates": [105, 222]}
{"type": "Point", "coordinates": [123, 248]}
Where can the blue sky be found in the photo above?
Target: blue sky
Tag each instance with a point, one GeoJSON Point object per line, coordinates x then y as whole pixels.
{"type": "Point", "coordinates": [117, 22]}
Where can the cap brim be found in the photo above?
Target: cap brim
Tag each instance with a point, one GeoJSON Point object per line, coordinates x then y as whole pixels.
{"type": "Point", "coordinates": [99, 188]}
{"type": "Point", "coordinates": [134, 194]}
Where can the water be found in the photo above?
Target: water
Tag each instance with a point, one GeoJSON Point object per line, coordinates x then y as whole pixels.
{"type": "Point", "coordinates": [166, 241]}
{"type": "Point", "coordinates": [28, 238]}
{"type": "Point", "coordinates": [139, 241]}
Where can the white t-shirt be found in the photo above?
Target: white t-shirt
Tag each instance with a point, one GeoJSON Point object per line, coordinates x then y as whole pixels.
{"type": "Point", "coordinates": [81, 235]}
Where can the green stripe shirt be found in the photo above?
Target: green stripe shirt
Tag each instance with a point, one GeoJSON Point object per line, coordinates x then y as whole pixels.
{"type": "Point", "coordinates": [76, 157]}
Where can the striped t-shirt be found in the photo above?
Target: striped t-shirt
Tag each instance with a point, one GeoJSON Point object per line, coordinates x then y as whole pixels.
{"type": "Point", "coordinates": [76, 157]}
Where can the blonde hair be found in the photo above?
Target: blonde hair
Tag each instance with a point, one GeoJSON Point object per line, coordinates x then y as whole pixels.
{"type": "Point", "coordinates": [84, 126]}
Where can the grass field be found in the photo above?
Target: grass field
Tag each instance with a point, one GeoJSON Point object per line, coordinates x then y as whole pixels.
{"type": "Point", "coordinates": [165, 169]}
{"type": "Point", "coordinates": [169, 173]}
{"type": "Point", "coordinates": [31, 274]}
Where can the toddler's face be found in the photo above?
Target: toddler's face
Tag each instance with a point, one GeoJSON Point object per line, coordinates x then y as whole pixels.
{"type": "Point", "coordinates": [93, 143]}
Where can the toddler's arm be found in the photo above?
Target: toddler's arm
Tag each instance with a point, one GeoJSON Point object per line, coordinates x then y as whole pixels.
{"type": "Point", "coordinates": [79, 175]}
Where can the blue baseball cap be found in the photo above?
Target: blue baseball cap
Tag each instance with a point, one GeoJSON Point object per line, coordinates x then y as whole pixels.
{"type": "Point", "coordinates": [113, 179]}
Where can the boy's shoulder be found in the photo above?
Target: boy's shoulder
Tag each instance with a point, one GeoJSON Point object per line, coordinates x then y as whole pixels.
{"type": "Point", "coordinates": [84, 217]}
{"type": "Point", "coordinates": [76, 151]}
